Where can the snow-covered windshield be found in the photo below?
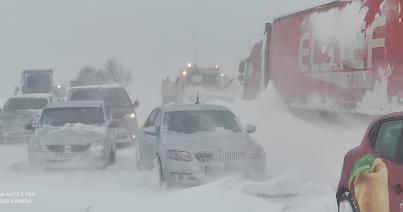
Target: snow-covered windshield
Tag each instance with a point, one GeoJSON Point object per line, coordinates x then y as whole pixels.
{"type": "Point", "coordinates": [16, 104]}
{"type": "Point", "coordinates": [57, 117]}
{"type": "Point", "coordinates": [200, 121]}
{"type": "Point", "coordinates": [111, 96]}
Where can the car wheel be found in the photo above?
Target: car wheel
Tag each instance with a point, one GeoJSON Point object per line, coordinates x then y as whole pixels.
{"type": "Point", "coordinates": [139, 164]}
{"type": "Point", "coordinates": [347, 204]}
{"type": "Point", "coordinates": [112, 157]}
{"type": "Point", "coordinates": [158, 172]}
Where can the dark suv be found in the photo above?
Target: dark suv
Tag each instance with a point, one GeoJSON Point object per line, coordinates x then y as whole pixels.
{"type": "Point", "coordinates": [118, 102]}
{"type": "Point", "coordinates": [372, 175]}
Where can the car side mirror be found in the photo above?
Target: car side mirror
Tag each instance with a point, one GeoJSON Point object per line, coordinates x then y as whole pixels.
{"type": "Point", "coordinates": [150, 130]}
{"type": "Point", "coordinates": [113, 124]}
{"type": "Point", "coordinates": [136, 104]}
{"type": "Point", "coordinates": [251, 128]}
{"type": "Point", "coordinates": [30, 127]}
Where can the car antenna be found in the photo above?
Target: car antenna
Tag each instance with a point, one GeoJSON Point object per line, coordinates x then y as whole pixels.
{"type": "Point", "coordinates": [197, 98]}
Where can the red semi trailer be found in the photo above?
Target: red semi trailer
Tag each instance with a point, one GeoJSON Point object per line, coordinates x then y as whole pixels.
{"type": "Point", "coordinates": [341, 56]}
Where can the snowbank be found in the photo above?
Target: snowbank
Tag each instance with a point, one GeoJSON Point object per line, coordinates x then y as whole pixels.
{"type": "Point", "coordinates": [314, 150]}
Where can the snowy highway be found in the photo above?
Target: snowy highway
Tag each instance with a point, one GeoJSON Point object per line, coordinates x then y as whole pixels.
{"type": "Point", "coordinates": [303, 179]}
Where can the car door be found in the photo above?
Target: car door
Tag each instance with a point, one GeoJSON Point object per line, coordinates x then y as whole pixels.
{"type": "Point", "coordinates": [144, 140]}
{"type": "Point", "coordinates": [388, 147]}
{"type": "Point", "coordinates": [111, 132]}
{"type": "Point", "coordinates": [154, 139]}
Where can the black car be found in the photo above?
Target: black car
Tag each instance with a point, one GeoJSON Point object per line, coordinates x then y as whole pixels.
{"type": "Point", "coordinates": [118, 102]}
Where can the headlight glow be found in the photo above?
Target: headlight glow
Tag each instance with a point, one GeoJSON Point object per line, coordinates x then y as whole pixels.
{"type": "Point", "coordinates": [179, 155]}
{"type": "Point", "coordinates": [132, 115]}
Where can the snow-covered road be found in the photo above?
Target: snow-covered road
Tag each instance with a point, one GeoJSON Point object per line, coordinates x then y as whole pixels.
{"type": "Point", "coordinates": [304, 161]}
{"type": "Point", "coordinates": [121, 188]}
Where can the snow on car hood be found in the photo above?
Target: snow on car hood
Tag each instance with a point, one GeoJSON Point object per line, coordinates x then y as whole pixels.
{"type": "Point", "coordinates": [69, 134]}
{"type": "Point", "coordinates": [208, 141]}
{"type": "Point", "coordinates": [18, 119]}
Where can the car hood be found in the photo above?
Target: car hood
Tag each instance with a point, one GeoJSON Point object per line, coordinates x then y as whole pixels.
{"type": "Point", "coordinates": [18, 119]}
{"type": "Point", "coordinates": [208, 141]}
{"type": "Point", "coordinates": [70, 134]}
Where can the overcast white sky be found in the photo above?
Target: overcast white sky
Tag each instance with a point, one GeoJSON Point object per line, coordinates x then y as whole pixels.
{"type": "Point", "coordinates": [152, 38]}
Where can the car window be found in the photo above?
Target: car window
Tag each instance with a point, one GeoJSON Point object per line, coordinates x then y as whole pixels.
{"type": "Point", "coordinates": [388, 138]}
{"type": "Point", "coordinates": [16, 104]}
{"type": "Point", "coordinates": [200, 121]}
{"type": "Point", "coordinates": [373, 133]}
{"type": "Point", "coordinates": [116, 96]}
{"type": "Point", "coordinates": [111, 96]}
{"type": "Point", "coordinates": [87, 95]}
{"type": "Point", "coordinates": [57, 117]}
{"type": "Point", "coordinates": [150, 119]}
{"type": "Point", "coordinates": [157, 121]}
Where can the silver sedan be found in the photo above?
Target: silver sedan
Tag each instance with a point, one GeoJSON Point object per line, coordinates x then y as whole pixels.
{"type": "Point", "coordinates": [190, 145]}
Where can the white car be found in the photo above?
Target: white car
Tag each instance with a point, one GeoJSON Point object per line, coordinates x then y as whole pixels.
{"type": "Point", "coordinates": [19, 111]}
{"type": "Point", "coordinates": [74, 134]}
{"type": "Point", "coordinates": [193, 144]}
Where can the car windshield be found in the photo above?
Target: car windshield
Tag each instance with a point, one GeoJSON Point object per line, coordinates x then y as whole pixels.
{"type": "Point", "coordinates": [111, 96]}
{"type": "Point", "coordinates": [200, 121]}
{"type": "Point", "coordinates": [16, 104]}
{"type": "Point", "coordinates": [57, 117]}
{"type": "Point", "coordinates": [120, 112]}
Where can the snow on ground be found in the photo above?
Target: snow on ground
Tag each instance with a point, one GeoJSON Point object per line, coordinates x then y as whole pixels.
{"type": "Point", "coordinates": [313, 149]}
{"type": "Point", "coordinates": [304, 162]}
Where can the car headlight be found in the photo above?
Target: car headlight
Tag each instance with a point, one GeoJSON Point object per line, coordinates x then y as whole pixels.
{"type": "Point", "coordinates": [179, 155]}
{"type": "Point", "coordinates": [132, 115]}
{"type": "Point", "coordinates": [254, 154]}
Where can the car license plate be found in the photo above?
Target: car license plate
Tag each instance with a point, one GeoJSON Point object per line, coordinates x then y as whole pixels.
{"type": "Point", "coordinates": [65, 156]}
{"type": "Point", "coordinates": [219, 169]}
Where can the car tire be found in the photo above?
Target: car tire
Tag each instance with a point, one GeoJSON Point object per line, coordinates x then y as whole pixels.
{"type": "Point", "coordinates": [139, 164]}
{"type": "Point", "coordinates": [158, 172]}
{"type": "Point", "coordinates": [112, 157]}
{"type": "Point", "coordinates": [346, 203]}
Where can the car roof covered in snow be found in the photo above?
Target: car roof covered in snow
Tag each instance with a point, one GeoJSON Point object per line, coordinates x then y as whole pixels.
{"type": "Point", "coordinates": [76, 104]}
{"type": "Point", "coordinates": [34, 95]}
{"type": "Point", "coordinates": [97, 87]}
{"type": "Point", "coordinates": [192, 107]}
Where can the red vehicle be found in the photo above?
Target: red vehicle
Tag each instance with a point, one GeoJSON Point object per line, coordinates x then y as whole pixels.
{"type": "Point", "coordinates": [341, 56]}
{"type": "Point", "coordinates": [372, 174]}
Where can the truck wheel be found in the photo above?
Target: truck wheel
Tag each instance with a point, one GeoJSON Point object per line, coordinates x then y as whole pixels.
{"type": "Point", "coordinates": [347, 204]}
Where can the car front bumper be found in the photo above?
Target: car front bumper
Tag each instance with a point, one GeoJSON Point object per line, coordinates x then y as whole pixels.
{"type": "Point", "coordinates": [193, 173]}
{"type": "Point", "coordinates": [15, 137]}
{"type": "Point", "coordinates": [91, 157]}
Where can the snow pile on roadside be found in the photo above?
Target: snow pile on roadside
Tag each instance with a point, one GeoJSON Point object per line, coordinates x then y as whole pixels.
{"type": "Point", "coordinates": [314, 150]}
{"type": "Point", "coordinates": [197, 199]}
{"type": "Point", "coordinates": [295, 195]}
{"type": "Point", "coordinates": [287, 192]}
